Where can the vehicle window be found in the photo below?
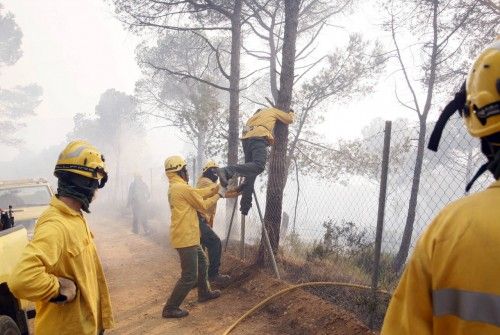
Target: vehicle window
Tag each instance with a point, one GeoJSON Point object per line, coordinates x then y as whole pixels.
{"type": "Point", "coordinates": [24, 196]}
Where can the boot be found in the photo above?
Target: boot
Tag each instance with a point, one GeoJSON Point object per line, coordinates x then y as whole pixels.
{"type": "Point", "coordinates": [223, 177]}
{"type": "Point", "coordinates": [220, 280]}
{"type": "Point", "coordinates": [214, 294]}
{"type": "Point", "coordinates": [174, 312]}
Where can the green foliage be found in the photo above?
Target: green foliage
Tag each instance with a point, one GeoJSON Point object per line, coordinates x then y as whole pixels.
{"type": "Point", "coordinates": [10, 39]}
{"type": "Point", "coordinates": [342, 239]}
{"type": "Point", "coordinates": [17, 102]}
{"type": "Point", "coordinates": [169, 92]}
{"type": "Point", "coordinates": [295, 245]}
{"type": "Point", "coordinates": [113, 120]}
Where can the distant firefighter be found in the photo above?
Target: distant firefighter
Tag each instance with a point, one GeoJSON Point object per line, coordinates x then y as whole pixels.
{"type": "Point", "coordinates": [138, 196]}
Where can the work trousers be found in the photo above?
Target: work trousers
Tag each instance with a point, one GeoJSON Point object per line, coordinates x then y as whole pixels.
{"type": "Point", "coordinates": [140, 218]}
{"type": "Point", "coordinates": [212, 243]}
{"type": "Point", "coordinates": [255, 151]}
{"type": "Point", "coordinates": [193, 270]}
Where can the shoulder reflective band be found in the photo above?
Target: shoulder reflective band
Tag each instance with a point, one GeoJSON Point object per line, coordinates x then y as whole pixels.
{"type": "Point", "coordinates": [467, 305]}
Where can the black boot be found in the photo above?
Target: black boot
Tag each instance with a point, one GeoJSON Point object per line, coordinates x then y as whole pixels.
{"type": "Point", "coordinates": [214, 294]}
{"type": "Point", "coordinates": [220, 281]}
{"type": "Point", "coordinates": [174, 312]}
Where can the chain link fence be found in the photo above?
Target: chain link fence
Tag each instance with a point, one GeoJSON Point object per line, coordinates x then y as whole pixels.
{"type": "Point", "coordinates": [329, 226]}
{"type": "Point", "coordinates": [328, 230]}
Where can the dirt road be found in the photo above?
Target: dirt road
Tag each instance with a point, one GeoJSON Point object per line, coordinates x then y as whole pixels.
{"type": "Point", "coordinates": [141, 274]}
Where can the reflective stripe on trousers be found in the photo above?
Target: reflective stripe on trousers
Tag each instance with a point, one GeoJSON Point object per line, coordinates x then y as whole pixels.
{"type": "Point", "coordinates": [467, 305]}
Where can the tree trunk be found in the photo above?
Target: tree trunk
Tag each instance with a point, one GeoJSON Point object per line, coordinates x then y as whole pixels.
{"type": "Point", "coordinates": [234, 85]}
{"type": "Point", "coordinates": [234, 95]}
{"type": "Point", "coordinates": [200, 153]}
{"type": "Point", "coordinates": [272, 62]}
{"type": "Point", "coordinates": [404, 248]}
{"type": "Point", "coordinates": [277, 161]}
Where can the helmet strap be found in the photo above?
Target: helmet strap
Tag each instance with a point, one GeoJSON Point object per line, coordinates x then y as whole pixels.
{"type": "Point", "coordinates": [487, 111]}
{"type": "Point", "coordinates": [104, 179]}
{"type": "Point", "coordinates": [492, 152]}
{"type": "Point", "coordinates": [457, 104]}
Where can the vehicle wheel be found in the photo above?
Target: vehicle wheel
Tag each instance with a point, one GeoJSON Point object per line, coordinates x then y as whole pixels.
{"type": "Point", "coordinates": [8, 326]}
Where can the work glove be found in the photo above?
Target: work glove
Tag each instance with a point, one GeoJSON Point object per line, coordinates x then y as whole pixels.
{"type": "Point", "coordinates": [233, 191]}
{"type": "Point", "coordinates": [222, 191]}
{"type": "Point", "coordinates": [67, 291]}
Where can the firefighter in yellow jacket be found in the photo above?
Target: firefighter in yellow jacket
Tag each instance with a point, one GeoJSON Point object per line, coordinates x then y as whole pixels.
{"type": "Point", "coordinates": [59, 269]}
{"type": "Point", "coordinates": [209, 238]}
{"type": "Point", "coordinates": [257, 135]}
{"type": "Point", "coordinates": [451, 284]}
{"type": "Point", "coordinates": [185, 203]}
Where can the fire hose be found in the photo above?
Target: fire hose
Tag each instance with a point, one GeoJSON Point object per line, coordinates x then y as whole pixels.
{"type": "Point", "coordinates": [294, 287]}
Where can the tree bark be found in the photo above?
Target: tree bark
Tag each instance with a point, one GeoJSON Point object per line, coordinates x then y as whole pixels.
{"type": "Point", "coordinates": [234, 95]}
{"type": "Point", "coordinates": [404, 248]}
{"type": "Point", "coordinates": [277, 161]}
{"type": "Point", "coordinates": [200, 152]}
{"type": "Point", "coordinates": [234, 85]}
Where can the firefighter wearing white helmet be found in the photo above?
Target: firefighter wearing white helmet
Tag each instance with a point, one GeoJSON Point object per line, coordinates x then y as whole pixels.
{"type": "Point", "coordinates": [185, 202]}
{"type": "Point", "coordinates": [450, 285]}
{"type": "Point", "coordinates": [60, 269]}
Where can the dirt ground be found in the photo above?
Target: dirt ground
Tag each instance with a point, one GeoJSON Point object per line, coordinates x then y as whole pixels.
{"type": "Point", "coordinates": [141, 271]}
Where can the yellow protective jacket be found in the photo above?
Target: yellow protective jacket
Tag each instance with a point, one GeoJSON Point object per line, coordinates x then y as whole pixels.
{"type": "Point", "coordinates": [209, 214]}
{"type": "Point", "coordinates": [262, 123]}
{"type": "Point", "coordinates": [185, 201]}
{"type": "Point", "coordinates": [451, 285]}
{"type": "Point", "coordinates": [63, 246]}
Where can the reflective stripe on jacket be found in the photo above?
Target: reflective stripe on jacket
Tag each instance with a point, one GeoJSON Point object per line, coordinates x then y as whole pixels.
{"type": "Point", "coordinates": [209, 214]}
{"type": "Point", "coordinates": [262, 123]}
{"type": "Point", "coordinates": [63, 246]}
{"type": "Point", "coordinates": [451, 285]}
{"type": "Point", "coordinates": [185, 201]}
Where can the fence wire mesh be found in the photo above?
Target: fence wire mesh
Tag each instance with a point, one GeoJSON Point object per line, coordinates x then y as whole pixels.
{"type": "Point", "coordinates": [328, 228]}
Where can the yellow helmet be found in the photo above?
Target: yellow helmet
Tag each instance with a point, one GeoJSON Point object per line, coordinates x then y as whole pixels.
{"type": "Point", "coordinates": [482, 107]}
{"type": "Point", "coordinates": [82, 158]}
{"type": "Point", "coordinates": [174, 164]}
{"type": "Point", "coordinates": [478, 100]}
{"type": "Point", "coordinates": [210, 164]}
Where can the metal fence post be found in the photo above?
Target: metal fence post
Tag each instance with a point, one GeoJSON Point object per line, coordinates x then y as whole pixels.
{"type": "Point", "coordinates": [266, 238]}
{"type": "Point", "coordinates": [380, 218]}
{"type": "Point", "coordinates": [242, 238]}
{"type": "Point", "coordinates": [231, 223]}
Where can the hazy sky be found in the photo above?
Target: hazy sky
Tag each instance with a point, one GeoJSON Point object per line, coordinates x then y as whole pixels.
{"type": "Point", "coordinates": [76, 50]}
